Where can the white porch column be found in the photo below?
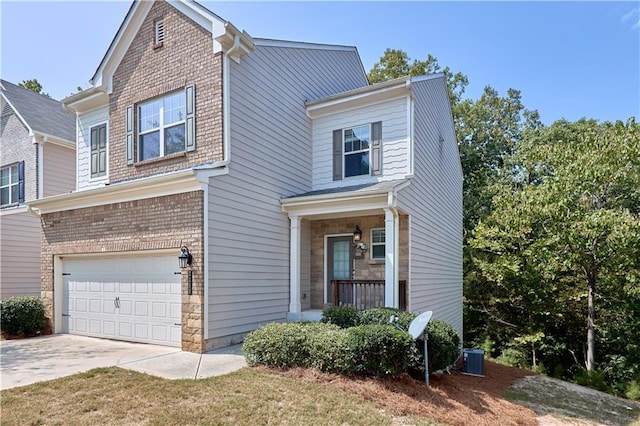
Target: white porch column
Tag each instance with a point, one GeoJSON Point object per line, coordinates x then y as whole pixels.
{"type": "Point", "coordinates": [391, 259]}
{"type": "Point", "coordinates": [294, 267]}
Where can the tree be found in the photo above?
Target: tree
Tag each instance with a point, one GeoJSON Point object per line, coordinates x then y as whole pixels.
{"type": "Point", "coordinates": [568, 213]}
{"type": "Point", "coordinates": [34, 86]}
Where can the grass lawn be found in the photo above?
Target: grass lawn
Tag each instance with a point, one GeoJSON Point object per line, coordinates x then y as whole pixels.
{"type": "Point", "coordinates": [261, 396]}
{"type": "Point", "coordinates": [248, 397]}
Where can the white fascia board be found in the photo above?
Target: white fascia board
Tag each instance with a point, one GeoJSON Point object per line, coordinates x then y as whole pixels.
{"type": "Point", "coordinates": [123, 38]}
{"type": "Point", "coordinates": [316, 206]}
{"type": "Point", "coordinates": [360, 99]}
{"type": "Point", "coordinates": [155, 186]}
{"type": "Point", "coordinates": [22, 208]}
{"type": "Point", "coordinates": [87, 100]}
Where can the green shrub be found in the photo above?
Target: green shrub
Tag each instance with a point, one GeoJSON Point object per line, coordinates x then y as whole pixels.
{"type": "Point", "coordinates": [378, 350]}
{"type": "Point", "coordinates": [329, 351]}
{"type": "Point", "coordinates": [22, 315]}
{"type": "Point", "coordinates": [633, 390]}
{"type": "Point", "coordinates": [342, 316]}
{"type": "Point", "coordinates": [443, 345]}
{"type": "Point", "coordinates": [382, 316]}
{"type": "Point", "coordinates": [593, 379]}
{"type": "Point", "coordinates": [282, 345]}
{"type": "Point", "coordinates": [513, 358]}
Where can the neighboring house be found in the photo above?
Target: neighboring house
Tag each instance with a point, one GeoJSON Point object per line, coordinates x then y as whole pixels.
{"type": "Point", "coordinates": [260, 158]}
{"type": "Point", "coordinates": [37, 159]}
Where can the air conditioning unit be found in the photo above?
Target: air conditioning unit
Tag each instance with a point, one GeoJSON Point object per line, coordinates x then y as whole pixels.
{"type": "Point", "coordinates": [473, 362]}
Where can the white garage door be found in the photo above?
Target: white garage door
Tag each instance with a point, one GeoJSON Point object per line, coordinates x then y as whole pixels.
{"type": "Point", "coordinates": [134, 298]}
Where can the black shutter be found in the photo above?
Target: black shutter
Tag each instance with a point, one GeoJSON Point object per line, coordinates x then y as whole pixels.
{"type": "Point", "coordinates": [21, 182]}
{"type": "Point", "coordinates": [337, 154]}
{"type": "Point", "coordinates": [376, 148]}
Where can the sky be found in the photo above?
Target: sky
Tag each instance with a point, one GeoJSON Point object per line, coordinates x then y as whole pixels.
{"type": "Point", "coordinates": [568, 59]}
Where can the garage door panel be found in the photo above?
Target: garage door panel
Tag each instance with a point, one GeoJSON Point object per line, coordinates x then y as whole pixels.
{"type": "Point", "coordinates": [132, 298]}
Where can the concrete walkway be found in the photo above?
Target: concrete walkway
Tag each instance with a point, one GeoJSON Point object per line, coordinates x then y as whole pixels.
{"type": "Point", "coordinates": [27, 361]}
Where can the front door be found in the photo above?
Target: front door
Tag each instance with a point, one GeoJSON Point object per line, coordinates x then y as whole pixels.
{"type": "Point", "coordinates": [339, 261]}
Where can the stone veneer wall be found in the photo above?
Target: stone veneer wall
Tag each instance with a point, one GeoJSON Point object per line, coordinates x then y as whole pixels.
{"type": "Point", "coordinates": [146, 71]}
{"type": "Point", "coordinates": [365, 267]}
{"type": "Point", "coordinates": [133, 226]}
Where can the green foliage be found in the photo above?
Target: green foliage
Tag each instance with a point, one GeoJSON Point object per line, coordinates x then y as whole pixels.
{"type": "Point", "coordinates": [342, 316]}
{"type": "Point", "coordinates": [282, 345]}
{"type": "Point", "coordinates": [593, 379]}
{"type": "Point", "coordinates": [382, 316]}
{"type": "Point", "coordinates": [379, 350]}
{"type": "Point", "coordinates": [633, 390]}
{"type": "Point", "coordinates": [329, 351]}
{"type": "Point", "coordinates": [443, 344]}
{"type": "Point", "coordinates": [34, 86]}
{"type": "Point", "coordinates": [513, 358]}
{"type": "Point", "coordinates": [370, 350]}
{"type": "Point", "coordinates": [22, 315]}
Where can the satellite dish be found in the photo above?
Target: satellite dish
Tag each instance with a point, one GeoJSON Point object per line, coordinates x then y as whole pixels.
{"type": "Point", "coordinates": [417, 326]}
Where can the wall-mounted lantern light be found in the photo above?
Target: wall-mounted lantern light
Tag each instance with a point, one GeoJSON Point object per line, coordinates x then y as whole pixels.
{"type": "Point", "coordinates": [357, 234]}
{"type": "Point", "coordinates": [185, 257]}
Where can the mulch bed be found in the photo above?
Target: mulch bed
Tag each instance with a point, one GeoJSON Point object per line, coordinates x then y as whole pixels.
{"type": "Point", "coordinates": [454, 399]}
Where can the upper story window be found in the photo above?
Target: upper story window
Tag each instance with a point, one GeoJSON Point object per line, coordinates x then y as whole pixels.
{"type": "Point", "coordinates": [12, 184]}
{"type": "Point", "coordinates": [99, 151]}
{"type": "Point", "coordinates": [357, 151]}
{"type": "Point", "coordinates": [161, 126]}
{"type": "Point", "coordinates": [378, 243]}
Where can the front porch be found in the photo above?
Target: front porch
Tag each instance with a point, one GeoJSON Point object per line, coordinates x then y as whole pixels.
{"type": "Point", "coordinates": [348, 248]}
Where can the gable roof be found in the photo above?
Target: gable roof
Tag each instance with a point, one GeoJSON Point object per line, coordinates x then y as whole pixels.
{"type": "Point", "coordinates": [225, 36]}
{"type": "Point", "coordinates": [40, 114]}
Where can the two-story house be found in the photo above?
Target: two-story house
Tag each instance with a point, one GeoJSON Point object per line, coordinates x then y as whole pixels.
{"type": "Point", "coordinates": [223, 181]}
{"type": "Point", "coordinates": [37, 159]}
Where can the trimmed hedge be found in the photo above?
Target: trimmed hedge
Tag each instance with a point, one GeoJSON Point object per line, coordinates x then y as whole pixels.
{"type": "Point", "coordinates": [342, 316]}
{"type": "Point", "coordinates": [379, 350]}
{"type": "Point", "coordinates": [22, 315]}
{"type": "Point", "coordinates": [370, 350]}
{"type": "Point", "coordinates": [374, 347]}
{"type": "Point", "coordinates": [282, 345]}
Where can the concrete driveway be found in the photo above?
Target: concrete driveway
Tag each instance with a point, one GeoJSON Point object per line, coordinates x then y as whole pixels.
{"type": "Point", "coordinates": [36, 359]}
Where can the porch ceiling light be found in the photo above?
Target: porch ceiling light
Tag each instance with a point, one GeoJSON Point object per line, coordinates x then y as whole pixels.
{"type": "Point", "coordinates": [357, 234]}
{"type": "Point", "coordinates": [185, 257]}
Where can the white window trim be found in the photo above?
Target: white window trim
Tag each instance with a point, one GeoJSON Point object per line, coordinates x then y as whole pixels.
{"type": "Point", "coordinates": [11, 184]}
{"type": "Point", "coordinates": [371, 243]}
{"type": "Point", "coordinates": [106, 172]}
{"type": "Point", "coordinates": [344, 154]}
{"type": "Point", "coordinates": [162, 126]}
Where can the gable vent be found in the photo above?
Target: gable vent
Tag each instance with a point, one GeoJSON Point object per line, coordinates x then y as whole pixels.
{"type": "Point", "coordinates": [159, 27]}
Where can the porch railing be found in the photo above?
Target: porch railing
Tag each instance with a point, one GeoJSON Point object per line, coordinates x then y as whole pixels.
{"type": "Point", "coordinates": [364, 294]}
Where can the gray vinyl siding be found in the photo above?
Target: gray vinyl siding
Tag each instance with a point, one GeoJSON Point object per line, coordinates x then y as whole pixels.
{"type": "Point", "coordinates": [395, 158]}
{"type": "Point", "coordinates": [59, 169]}
{"type": "Point", "coordinates": [19, 254]}
{"type": "Point", "coordinates": [434, 201]}
{"type": "Point", "coordinates": [270, 159]}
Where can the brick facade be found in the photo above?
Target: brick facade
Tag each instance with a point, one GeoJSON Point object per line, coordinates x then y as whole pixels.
{"type": "Point", "coordinates": [365, 267]}
{"type": "Point", "coordinates": [146, 71]}
{"type": "Point", "coordinates": [134, 226]}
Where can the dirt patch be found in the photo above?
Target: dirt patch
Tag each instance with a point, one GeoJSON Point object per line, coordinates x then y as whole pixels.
{"type": "Point", "coordinates": [556, 401]}
{"type": "Point", "coordinates": [454, 399]}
